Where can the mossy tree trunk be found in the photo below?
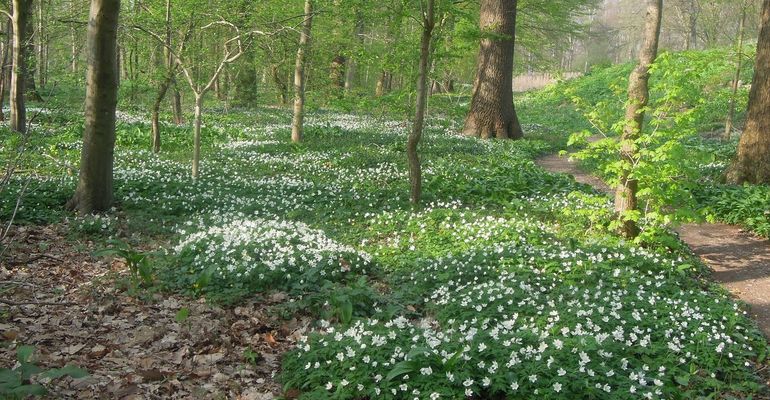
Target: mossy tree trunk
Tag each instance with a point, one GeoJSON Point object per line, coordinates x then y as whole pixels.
{"type": "Point", "coordinates": [638, 98]}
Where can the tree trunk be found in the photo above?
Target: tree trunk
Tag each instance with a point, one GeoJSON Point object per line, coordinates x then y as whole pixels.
{"type": "Point", "coordinates": [299, 74]}
{"type": "Point", "coordinates": [752, 163]}
{"type": "Point", "coordinates": [94, 190]}
{"type": "Point", "coordinates": [737, 78]}
{"type": "Point", "coordinates": [492, 113]}
{"type": "Point", "coordinates": [31, 62]}
{"type": "Point", "coordinates": [197, 135]}
{"type": "Point", "coordinates": [4, 68]}
{"type": "Point", "coordinates": [73, 52]}
{"type": "Point", "coordinates": [381, 82]}
{"type": "Point", "coordinates": [337, 72]}
{"type": "Point", "coordinates": [280, 85]}
{"type": "Point", "coordinates": [415, 171]}
{"type": "Point", "coordinates": [176, 104]}
{"type": "Point", "coordinates": [20, 16]}
{"type": "Point", "coordinates": [352, 72]}
{"type": "Point", "coordinates": [638, 97]}
{"type": "Point", "coordinates": [155, 120]}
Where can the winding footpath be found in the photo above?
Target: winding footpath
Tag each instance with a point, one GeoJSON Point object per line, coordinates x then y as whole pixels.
{"type": "Point", "coordinates": [739, 260]}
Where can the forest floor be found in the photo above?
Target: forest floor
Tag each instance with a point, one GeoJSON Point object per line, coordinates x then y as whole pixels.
{"type": "Point", "coordinates": [739, 260]}
{"type": "Point", "coordinates": [133, 347]}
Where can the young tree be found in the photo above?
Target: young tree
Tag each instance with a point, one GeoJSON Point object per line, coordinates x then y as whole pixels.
{"type": "Point", "coordinates": [638, 97]}
{"type": "Point", "coordinates": [737, 78]}
{"type": "Point", "coordinates": [94, 190]}
{"type": "Point", "coordinates": [492, 113]}
{"type": "Point", "coordinates": [415, 171]}
{"type": "Point", "coordinates": [299, 74]}
{"type": "Point", "coordinates": [19, 23]}
{"type": "Point", "coordinates": [752, 163]}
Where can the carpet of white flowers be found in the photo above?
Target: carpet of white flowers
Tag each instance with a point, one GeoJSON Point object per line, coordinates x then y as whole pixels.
{"type": "Point", "coordinates": [506, 284]}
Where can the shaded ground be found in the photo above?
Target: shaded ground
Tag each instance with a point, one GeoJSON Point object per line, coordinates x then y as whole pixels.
{"type": "Point", "coordinates": [66, 304]}
{"type": "Point", "coordinates": [740, 261]}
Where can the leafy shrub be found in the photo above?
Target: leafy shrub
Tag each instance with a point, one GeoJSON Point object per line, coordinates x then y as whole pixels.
{"type": "Point", "coordinates": [17, 382]}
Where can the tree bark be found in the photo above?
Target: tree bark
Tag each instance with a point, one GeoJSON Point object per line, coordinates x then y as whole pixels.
{"type": "Point", "coordinates": [280, 85]}
{"type": "Point", "coordinates": [299, 74]}
{"type": "Point", "coordinates": [638, 97]}
{"type": "Point", "coordinates": [737, 78]}
{"type": "Point", "coordinates": [492, 113]}
{"type": "Point", "coordinates": [31, 61]}
{"type": "Point", "coordinates": [752, 163]}
{"type": "Point", "coordinates": [4, 68]}
{"type": "Point", "coordinates": [197, 134]}
{"type": "Point", "coordinates": [94, 190]}
{"type": "Point", "coordinates": [379, 90]}
{"type": "Point", "coordinates": [415, 170]}
{"type": "Point", "coordinates": [176, 104]}
{"type": "Point", "coordinates": [21, 9]}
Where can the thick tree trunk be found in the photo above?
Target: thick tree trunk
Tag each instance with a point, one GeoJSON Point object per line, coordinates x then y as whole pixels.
{"type": "Point", "coordinates": [94, 190]}
{"type": "Point", "coordinates": [638, 97]}
{"type": "Point", "coordinates": [197, 134]}
{"type": "Point", "coordinates": [21, 9]}
{"type": "Point", "coordinates": [737, 78]}
{"type": "Point", "coordinates": [752, 163]}
{"type": "Point", "coordinates": [415, 170]}
{"type": "Point", "coordinates": [492, 113]}
{"type": "Point", "coordinates": [299, 74]}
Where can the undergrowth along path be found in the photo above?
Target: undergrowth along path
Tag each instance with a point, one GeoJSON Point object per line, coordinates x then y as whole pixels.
{"type": "Point", "coordinates": [739, 260]}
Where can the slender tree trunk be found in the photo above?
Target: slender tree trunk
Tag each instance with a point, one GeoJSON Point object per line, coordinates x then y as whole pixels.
{"type": "Point", "coordinates": [4, 68]}
{"type": "Point", "coordinates": [752, 163]}
{"type": "Point", "coordinates": [94, 190]}
{"type": "Point", "coordinates": [337, 72]}
{"type": "Point", "coordinates": [280, 85]}
{"type": "Point", "coordinates": [492, 113]}
{"type": "Point", "coordinates": [155, 119]}
{"type": "Point", "coordinates": [30, 52]}
{"type": "Point", "coordinates": [379, 90]}
{"type": "Point", "coordinates": [415, 171]}
{"type": "Point", "coordinates": [352, 72]}
{"type": "Point", "coordinates": [197, 134]}
{"type": "Point", "coordinates": [21, 10]}
{"type": "Point", "coordinates": [176, 104]}
{"type": "Point", "coordinates": [299, 74]}
{"type": "Point", "coordinates": [737, 78]}
{"type": "Point", "coordinates": [638, 97]}
{"type": "Point", "coordinates": [73, 52]}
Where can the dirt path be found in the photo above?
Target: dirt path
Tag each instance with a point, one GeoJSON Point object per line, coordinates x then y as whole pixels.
{"type": "Point", "coordinates": [740, 261]}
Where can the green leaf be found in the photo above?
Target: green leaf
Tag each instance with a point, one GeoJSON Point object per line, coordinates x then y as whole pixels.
{"type": "Point", "coordinates": [29, 390]}
{"type": "Point", "coordinates": [402, 368]}
{"type": "Point", "coordinates": [24, 353]}
{"type": "Point", "coordinates": [683, 380]}
{"type": "Point", "coordinates": [182, 314]}
{"type": "Point", "coordinates": [67, 370]}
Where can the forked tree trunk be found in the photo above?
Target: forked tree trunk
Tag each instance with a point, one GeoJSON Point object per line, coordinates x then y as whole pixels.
{"type": "Point", "coordinates": [299, 74]}
{"type": "Point", "coordinates": [94, 190]}
{"type": "Point", "coordinates": [737, 78]}
{"type": "Point", "coordinates": [415, 170]}
{"type": "Point", "coordinates": [638, 97]}
{"type": "Point", "coordinates": [752, 163]}
{"type": "Point", "coordinates": [492, 113]}
{"type": "Point", "coordinates": [21, 9]}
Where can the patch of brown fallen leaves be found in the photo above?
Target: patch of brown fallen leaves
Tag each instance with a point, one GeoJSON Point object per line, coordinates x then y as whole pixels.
{"type": "Point", "coordinates": [132, 349]}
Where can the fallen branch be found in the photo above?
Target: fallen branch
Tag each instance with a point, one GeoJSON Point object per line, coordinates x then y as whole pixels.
{"type": "Point", "coordinates": [36, 303]}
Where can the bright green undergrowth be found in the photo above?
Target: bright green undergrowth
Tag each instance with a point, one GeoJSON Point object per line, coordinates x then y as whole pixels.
{"type": "Point", "coordinates": [683, 150]}
{"type": "Point", "coordinates": [507, 283]}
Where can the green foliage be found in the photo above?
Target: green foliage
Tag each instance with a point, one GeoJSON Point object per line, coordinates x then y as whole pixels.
{"type": "Point", "coordinates": [140, 267]}
{"type": "Point", "coordinates": [24, 379]}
